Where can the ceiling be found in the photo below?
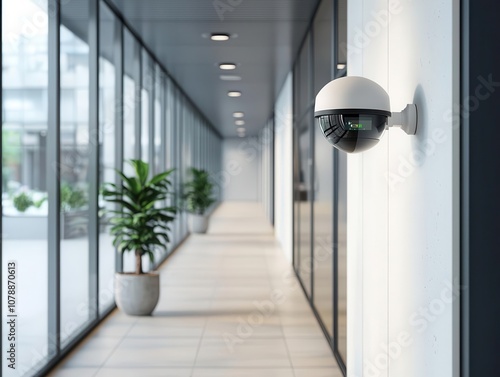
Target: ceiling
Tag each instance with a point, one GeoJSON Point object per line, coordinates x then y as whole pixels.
{"type": "Point", "coordinates": [266, 37]}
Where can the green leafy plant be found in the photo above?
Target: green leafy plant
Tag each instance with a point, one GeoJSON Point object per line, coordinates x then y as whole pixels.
{"type": "Point", "coordinates": [22, 201]}
{"type": "Point", "coordinates": [72, 197]}
{"type": "Point", "coordinates": [141, 224]}
{"type": "Point", "coordinates": [38, 203]}
{"type": "Point", "coordinates": [198, 192]}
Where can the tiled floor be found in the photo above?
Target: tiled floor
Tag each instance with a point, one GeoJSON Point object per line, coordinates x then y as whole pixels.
{"type": "Point", "coordinates": [230, 306]}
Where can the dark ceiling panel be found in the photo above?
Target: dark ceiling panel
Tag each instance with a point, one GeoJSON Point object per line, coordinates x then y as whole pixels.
{"type": "Point", "coordinates": [268, 34]}
{"type": "Point", "coordinates": [218, 10]}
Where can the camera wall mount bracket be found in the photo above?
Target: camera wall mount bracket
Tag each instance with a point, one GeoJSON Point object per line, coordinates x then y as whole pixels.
{"type": "Point", "coordinates": [407, 119]}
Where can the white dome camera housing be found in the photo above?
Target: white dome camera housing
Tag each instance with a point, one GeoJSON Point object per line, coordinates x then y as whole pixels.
{"type": "Point", "coordinates": [353, 113]}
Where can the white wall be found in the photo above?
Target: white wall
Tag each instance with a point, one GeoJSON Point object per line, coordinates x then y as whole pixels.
{"type": "Point", "coordinates": [239, 177]}
{"type": "Point", "coordinates": [283, 169]}
{"type": "Point", "coordinates": [402, 195]}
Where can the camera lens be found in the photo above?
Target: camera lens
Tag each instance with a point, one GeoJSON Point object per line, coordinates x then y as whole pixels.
{"type": "Point", "coordinates": [352, 133]}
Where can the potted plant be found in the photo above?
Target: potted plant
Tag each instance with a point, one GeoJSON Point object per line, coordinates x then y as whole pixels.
{"type": "Point", "coordinates": [198, 198]}
{"type": "Point", "coordinates": [22, 201]}
{"type": "Point", "coordinates": [139, 225]}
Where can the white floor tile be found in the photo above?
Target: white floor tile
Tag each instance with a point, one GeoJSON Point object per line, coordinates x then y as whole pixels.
{"type": "Point", "coordinates": [216, 316]}
{"type": "Point", "coordinates": [235, 351]}
{"type": "Point", "coordinates": [154, 352]}
{"type": "Point", "coordinates": [73, 372]}
{"type": "Point", "coordinates": [248, 372]}
{"type": "Point", "coordinates": [144, 372]}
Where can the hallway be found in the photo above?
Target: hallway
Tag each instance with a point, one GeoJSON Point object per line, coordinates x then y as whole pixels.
{"type": "Point", "coordinates": [230, 305]}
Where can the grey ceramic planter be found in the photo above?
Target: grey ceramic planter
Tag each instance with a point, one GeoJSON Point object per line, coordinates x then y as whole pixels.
{"type": "Point", "coordinates": [137, 294]}
{"type": "Point", "coordinates": [198, 223]}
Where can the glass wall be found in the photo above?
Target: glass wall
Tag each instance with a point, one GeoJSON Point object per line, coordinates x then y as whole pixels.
{"type": "Point", "coordinates": [323, 175]}
{"type": "Point", "coordinates": [114, 102]}
{"type": "Point", "coordinates": [340, 69]}
{"type": "Point", "coordinates": [24, 171]}
{"type": "Point", "coordinates": [108, 113]}
{"type": "Point", "coordinates": [74, 169]}
{"type": "Point", "coordinates": [131, 100]}
{"type": "Point", "coordinates": [303, 125]}
{"type": "Point", "coordinates": [146, 102]}
{"type": "Point", "coordinates": [319, 239]}
{"type": "Point", "coordinates": [159, 159]}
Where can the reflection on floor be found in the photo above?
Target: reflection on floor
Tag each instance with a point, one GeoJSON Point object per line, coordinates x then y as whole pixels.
{"type": "Point", "coordinates": [230, 306]}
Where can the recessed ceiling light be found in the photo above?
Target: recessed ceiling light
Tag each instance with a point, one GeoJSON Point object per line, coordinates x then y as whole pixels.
{"type": "Point", "coordinates": [240, 129]}
{"type": "Point", "coordinates": [230, 77]}
{"type": "Point", "coordinates": [220, 37]}
{"type": "Point", "coordinates": [234, 93]}
{"type": "Point", "coordinates": [209, 35]}
{"type": "Point", "coordinates": [239, 122]}
{"type": "Point", "coordinates": [227, 66]}
{"type": "Point", "coordinates": [341, 66]}
{"type": "Point", "coordinates": [238, 114]}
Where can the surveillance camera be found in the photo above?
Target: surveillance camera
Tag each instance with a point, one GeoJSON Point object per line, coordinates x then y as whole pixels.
{"type": "Point", "coordinates": [353, 113]}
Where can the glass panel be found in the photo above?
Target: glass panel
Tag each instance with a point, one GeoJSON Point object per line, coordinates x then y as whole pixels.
{"type": "Point", "coordinates": [323, 39]}
{"type": "Point", "coordinates": [323, 229]}
{"type": "Point", "coordinates": [323, 175]}
{"type": "Point", "coordinates": [296, 171]}
{"type": "Point", "coordinates": [107, 114]}
{"type": "Point", "coordinates": [183, 155]}
{"type": "Point", "coordinates": [74, 169]}
{"type": "Point", "coordinates": [146, 97]}
{"type": "Point", "coordinates": [342, 256]}
{"type": "Point", "coordinates": [158, 160]}
{"type": "Point", "coordinates": [305, 99]}
{"type": "Point", "coordinates": [169, 119]}
{"type": "Point", "coordinates": [341, 304]}
{"type": "Point", "coordinates": [129, 100]}
{"type": "Point", "coordinates": [24, 177]}
{"type": "Point", "coordinates": [171, 144]}
{"type": "Point", "coordinates": [304, 192]}
{"type": "Point", "coordinates": [144, 125]}
{"type": "Point", "coordinates": [342, 30]}
{"type": "Point", "coordinates": [158, 163]}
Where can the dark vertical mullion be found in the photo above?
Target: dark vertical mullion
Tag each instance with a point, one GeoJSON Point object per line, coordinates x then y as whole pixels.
{"type": "Point", "coordinates": [53, 186]}
{"type": "Point", "coordinates": [137, 97]}
{"type": "Point", "coordinates": [312, 161]}
{"type": "Point", "coordinates": [93, 41]}
{"type": "Point", "coordinates": [119, 74]}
